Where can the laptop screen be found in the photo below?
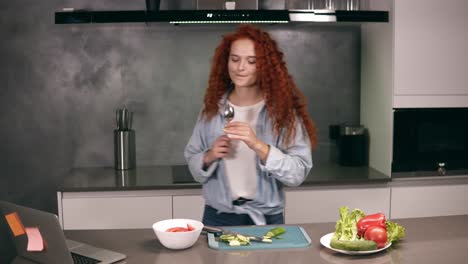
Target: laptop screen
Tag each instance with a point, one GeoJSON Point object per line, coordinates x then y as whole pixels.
{"type": "Point", "coordinates": [7, 247]}
{"type": "Point", "coordinates": [56, 250]}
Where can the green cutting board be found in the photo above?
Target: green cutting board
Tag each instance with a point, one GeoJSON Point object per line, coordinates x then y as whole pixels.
{"type": "Point", "coordinates": [295, 237]}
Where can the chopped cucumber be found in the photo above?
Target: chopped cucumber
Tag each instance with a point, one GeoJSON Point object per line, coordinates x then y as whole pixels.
{"type": "Point", "coordinates": [234, 243]}
{"type": "Point", "coordinates": [275, 232]}
{"type": "Point", "coordinates": [226, 238]}
{"type": "Point", "coordinates": [243, 238]}
{"type": "Point", "coordinates": [235, 240]}
{"type": "Point", "coordinates": [240, 240]}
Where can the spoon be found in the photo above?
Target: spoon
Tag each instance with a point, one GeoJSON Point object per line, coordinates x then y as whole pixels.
{"type": "Point", "coordinates": [228, 112]}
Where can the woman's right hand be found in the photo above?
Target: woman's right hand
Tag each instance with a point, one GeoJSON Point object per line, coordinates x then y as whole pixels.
{"type": "Point", "coordinates": [220, 149]}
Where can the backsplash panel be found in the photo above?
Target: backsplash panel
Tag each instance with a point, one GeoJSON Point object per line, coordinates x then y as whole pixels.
{"type": "Point", "coordinates": [61, 84]}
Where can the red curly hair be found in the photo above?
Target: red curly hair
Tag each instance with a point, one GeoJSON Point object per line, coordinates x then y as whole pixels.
{"type": "Point", "coordinates": [283, 100]}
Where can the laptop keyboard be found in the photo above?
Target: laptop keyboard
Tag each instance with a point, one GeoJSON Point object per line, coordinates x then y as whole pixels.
{"type": "Point", "coordinates": [79, 259]}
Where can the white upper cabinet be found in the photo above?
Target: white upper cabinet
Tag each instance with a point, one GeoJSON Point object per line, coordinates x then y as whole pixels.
{"type": "Point", "coordinates": [430, 53]}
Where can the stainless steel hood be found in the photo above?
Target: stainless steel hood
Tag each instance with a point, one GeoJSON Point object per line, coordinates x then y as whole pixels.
{"type": "Point", "coordinates": [154, 13]}
{"type": "Point", "coordinates": [217, 16]}
{"type": "Point", "coordinates": [220, 16]}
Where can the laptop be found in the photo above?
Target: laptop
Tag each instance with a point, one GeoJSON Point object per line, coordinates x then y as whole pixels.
{"type": "Point", "coordinates": [58, 248]}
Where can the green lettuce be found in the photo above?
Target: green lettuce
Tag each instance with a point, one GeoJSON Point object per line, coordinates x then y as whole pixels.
{"type": "Point", "coordinates": [394, 231]}
{"type": "Point", "coordinates": [345, 228]}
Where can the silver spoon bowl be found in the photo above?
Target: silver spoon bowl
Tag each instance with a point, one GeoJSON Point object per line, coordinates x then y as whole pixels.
{"type": "Point", "coordinates": [228, 113]}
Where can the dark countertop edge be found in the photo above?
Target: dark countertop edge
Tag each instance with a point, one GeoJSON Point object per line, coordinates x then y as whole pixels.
{"type": "Point", "coordinates": [428, 181]}
{"type": "Point", "coordinates": [131, 188]}
{"type": "Point", "coordinates": [335, 179]}
{"type": "Point", "coordinates": [198, 186]}
{"type": "Point", "coordinates": [358, 182]}
{"type": "Point", "coordinates": [344, 182]}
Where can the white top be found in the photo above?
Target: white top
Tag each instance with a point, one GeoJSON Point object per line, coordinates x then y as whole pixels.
{"type": "Point", "coordinates": [241, 170]}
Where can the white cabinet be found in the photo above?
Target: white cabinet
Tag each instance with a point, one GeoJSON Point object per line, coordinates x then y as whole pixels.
{"type": "Point", "coordinates": [321, 205]}
{"type": "Point", "coordinates": [188, 206]}
{"type": "Point", "coordinates": [308, 204]}
{"type": "Point", "coordinates": [113, 210]}
{"type": "Point", "coordinates": [425, 201]}
{"type": "Point", "coordinates": [417, 60]}
{"type": "Point", "coordinates": [430, 53]}
{"type": "Point", "coordinates": [127, 209]}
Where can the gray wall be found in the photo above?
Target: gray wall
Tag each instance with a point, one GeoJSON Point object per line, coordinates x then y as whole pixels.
{"type": "Point", "coordinates": [60, 86]}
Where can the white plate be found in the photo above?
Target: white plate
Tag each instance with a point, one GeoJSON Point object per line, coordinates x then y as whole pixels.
{"type": "Point", "coordinates": [325, 241]}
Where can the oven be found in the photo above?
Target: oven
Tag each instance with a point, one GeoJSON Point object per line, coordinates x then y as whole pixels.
{"type": "Point", "coordinates": [430, 142]}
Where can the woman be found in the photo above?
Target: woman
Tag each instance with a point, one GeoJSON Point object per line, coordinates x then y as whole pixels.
{"type": "Point", "coordinates": [243, 164]}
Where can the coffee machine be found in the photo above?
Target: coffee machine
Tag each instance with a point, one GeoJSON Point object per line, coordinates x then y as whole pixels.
{"type": "Point", "coordinates": [353, 144]}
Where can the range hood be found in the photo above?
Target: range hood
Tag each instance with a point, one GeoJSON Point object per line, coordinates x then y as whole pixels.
{"type": "Point", "coordinates": [219, 16]}
{"type": "Point", "coordinates": [271, 16]}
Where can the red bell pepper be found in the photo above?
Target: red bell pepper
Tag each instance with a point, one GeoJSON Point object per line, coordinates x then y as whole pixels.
{"type": "Point", "coordinates": [370, 220]}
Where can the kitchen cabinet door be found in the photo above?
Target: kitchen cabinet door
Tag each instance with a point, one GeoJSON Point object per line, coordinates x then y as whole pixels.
{"type": "Point", "coordinates": [105, 210]}
{"type": "Point", "coordinates": [430, 53]}
{"type": "Point", "coordinates": [188, 206]}
{"type": "Point", "coordinates": [426, 201]}
{"type": "Point", "coordinates": [317, 205]}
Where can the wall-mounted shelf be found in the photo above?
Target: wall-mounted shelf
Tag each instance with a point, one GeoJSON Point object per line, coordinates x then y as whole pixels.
{"type": "Point", "coordinates": [217, 16]}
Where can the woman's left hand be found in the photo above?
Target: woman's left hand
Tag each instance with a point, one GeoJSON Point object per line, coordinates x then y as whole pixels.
{"type": "Point", "coordinates": [243, 131]}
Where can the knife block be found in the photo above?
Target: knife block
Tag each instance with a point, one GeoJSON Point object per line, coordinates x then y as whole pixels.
{"type": "Point", "coordinates": [124, 150]}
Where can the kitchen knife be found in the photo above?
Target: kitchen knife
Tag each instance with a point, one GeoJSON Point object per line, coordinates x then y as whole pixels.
{"type": "Point", "coordinates": [219, 231]}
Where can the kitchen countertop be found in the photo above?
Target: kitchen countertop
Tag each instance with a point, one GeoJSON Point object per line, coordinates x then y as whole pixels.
{"type": "Point", "coordinates": [179, 177]}
{"type": "Point", "coordinates": [428, 240]}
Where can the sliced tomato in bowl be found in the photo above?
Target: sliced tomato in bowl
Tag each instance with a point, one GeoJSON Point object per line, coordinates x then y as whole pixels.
{"type": "Point", "coordinates": [177, 229]}
{"type": "Point", "coordinates": [181, 229]}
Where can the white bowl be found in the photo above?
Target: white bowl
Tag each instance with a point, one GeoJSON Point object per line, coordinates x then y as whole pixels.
{"type": "Point", "coordinates": [177, 240]}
